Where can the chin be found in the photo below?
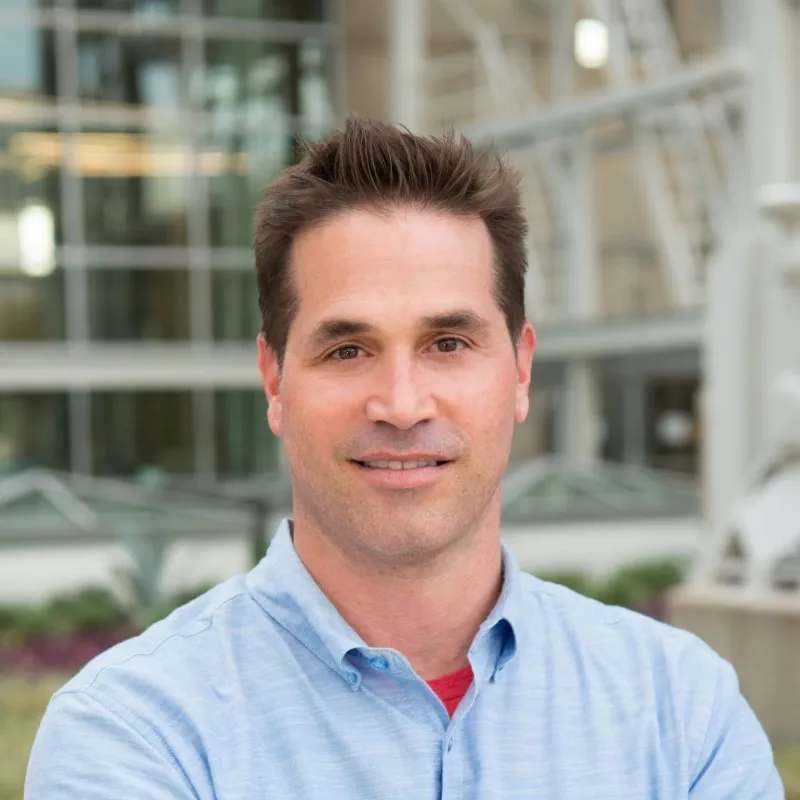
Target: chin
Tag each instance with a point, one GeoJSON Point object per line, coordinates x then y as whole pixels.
{"type": "Point", "coordinates": [409, 542]}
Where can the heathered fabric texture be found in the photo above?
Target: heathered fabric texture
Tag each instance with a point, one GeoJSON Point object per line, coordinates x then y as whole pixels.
{"type": "Point", "coordinates": [259, 689]}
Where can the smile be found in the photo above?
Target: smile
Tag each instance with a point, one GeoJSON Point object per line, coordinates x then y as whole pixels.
{"type": "Point", "coordinates": [395, 474]}
{"type": "Point", "coordinates": [399, 464]}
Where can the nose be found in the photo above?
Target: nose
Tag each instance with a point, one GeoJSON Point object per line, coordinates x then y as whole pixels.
{"type": "Point", "coordinates": [401, 395]}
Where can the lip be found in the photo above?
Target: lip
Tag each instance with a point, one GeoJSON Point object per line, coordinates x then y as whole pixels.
{"type": "Point", "coordinates": [416, 478]}
{"type": "Point", "coordinates": [385, 455]}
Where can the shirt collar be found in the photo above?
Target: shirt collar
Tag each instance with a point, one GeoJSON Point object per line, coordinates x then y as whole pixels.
{"type": "Point", "coordinates": [282, 585]}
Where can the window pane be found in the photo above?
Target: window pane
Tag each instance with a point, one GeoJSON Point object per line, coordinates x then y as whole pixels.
{"type": "Point", "coordinates": [266, 80]}
{"type": "Point", "coordinates": [27, 62]}
{"type": "Point", "coordinates": [235, 301]}
{"type": "Point", "coordinates": [673, 424]}
{"type": "Point", "coordinates": [31, 287]}
{"type": "Point", "coordinates": [134, 431]}
{"type": "Point", "coordinates": [34, 431]}
{"type": "Point", "coordinates": [138, 304]}
{"type": "Point", "coordinates": [141, 71]}
{"type": "Point", "coordinates": [234, 191]}
{"type": "Point", "coordinates": [245, 444]}
{"type": "Point", "coordinates": [29, 5]}
{"type": "Point", "coordinates": [31, 308]}
{"type": "Point", "coordinates": [300, 10]}
{"type": "Point", "coordinates": [258, 97]}
{"type": "Point", "coordinates": [146, 8]}
{"type": "Point", "coordinates": [134, 186]}
{"type": "Point", "coordinates": [652, 421]}
{"type": "Point", "coordinates": [30, 200]}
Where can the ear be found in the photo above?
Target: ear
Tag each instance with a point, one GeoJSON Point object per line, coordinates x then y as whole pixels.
{"type": "Point", "coordinates": [271, 381]}
{"type": "Point", "coordinates": [525, 350]}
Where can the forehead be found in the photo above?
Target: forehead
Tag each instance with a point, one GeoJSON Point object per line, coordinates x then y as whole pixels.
{"type": "Point", "coordinates": [407, 263]}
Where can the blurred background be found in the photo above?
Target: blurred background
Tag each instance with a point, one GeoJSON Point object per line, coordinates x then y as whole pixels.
{"type": "Point", "coordinates": [659, 144]}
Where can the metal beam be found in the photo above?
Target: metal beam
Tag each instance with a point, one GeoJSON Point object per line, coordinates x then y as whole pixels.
{"type": "Point", "coordinates": [609, 339]}
{"type": "Point", "coordinates": [673, 237]}
{"type": "Point", "coordinates": [407, 23]}
{"type": "Point", "coordinates": [580, 413]}
{"type": "Point", "coordinates": [525, 130]}
{"type": "Point", "coordinates": [147, 367]}
{"type": "Point", "coordinates": [562, 61]}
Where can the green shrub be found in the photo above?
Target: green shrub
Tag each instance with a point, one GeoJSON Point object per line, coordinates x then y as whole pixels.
{"type": "Point", "coordinates": [632, 586]}
{"type": "Point", "coordinates": [576, 580]}
{"type": "Point", "coordinates": [89, 609]}
{"type": "Point", "coordinates": [19, 624]}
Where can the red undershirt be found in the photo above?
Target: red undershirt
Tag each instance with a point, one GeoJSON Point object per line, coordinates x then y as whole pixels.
{"type": "Point", "coordinates": [450, 689]}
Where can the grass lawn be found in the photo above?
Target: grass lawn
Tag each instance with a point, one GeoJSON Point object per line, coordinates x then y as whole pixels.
{"type": "Point", "coordinates": [22, 702]}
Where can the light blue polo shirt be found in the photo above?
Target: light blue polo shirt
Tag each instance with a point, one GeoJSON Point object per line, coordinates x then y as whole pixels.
{"type": "Point", "coordinates": [259, 689]}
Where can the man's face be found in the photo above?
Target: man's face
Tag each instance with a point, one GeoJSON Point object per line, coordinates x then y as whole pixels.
{"type": "Point", "coordinates": [398, 357]}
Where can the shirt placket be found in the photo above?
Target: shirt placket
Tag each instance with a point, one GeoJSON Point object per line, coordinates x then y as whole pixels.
{"type": "Point", "coordinates": [452, 767]}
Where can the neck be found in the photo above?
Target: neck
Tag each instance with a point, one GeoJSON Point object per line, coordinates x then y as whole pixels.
{"type": "Point", "coordinates": [429, 613]}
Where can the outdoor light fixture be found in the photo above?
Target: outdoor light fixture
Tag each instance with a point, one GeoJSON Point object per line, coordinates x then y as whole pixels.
{"type": "Point", "coordinates": [36, 236]}
{"type": "Point", "coordinates": [591, 43]}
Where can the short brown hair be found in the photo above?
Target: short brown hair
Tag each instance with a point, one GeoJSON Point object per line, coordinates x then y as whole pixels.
{"type": "Point", "coordinates": [369, 165]}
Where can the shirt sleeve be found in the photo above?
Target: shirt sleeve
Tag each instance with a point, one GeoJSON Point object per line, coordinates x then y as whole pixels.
{"type": "Point", "coordinates": [85, 750]}
{"type": "Point", "coordinates": [736, 760]}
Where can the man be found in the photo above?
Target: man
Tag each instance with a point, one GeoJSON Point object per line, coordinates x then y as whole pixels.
{"type": "Point", "coordinates": [387, 646]}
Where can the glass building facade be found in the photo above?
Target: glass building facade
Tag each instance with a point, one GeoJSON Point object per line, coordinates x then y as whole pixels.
{"type": "Point", "coordinates": [135, 139]}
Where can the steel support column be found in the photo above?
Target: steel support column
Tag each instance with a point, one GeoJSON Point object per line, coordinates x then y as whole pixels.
{"type": "Point", "coordinates": [407, 33]}
{"type": "Point", "coordinates": [746, 328]}
{"type": "Point", "coordinates": [582, 389]}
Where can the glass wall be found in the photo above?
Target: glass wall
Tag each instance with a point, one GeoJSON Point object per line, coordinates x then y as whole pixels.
{"type": "Point", "coordinates": [245, 444]}
{"type": "Point", "coordinates": [135, 185]}
{"type": "Point", "coordinates": [236, 313]}
{"type": "Point", "coordinates": [27, 61]}
{"type": "Point", "coordinates": [137, 431]}
{"type": "Point", "coordinates": [34, 431]}
{"type": "Point", "coordinates": [136, 137]}
{"type": "Point", "coordinates": [652, 413]}
{"type": "Point", "coordinates": [31, 307]}
{"type": "Point", "coordinates": [303, 10]}
{"type": "Point", "coordinates": [132, 304]}
{"type": "Point", "coordinates": [128, 69]}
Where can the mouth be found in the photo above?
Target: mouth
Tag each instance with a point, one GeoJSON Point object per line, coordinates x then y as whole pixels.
{"type": "Point", "coordinates": [401, 465]}
{"type": "Point", "coordinates": [394, 474]}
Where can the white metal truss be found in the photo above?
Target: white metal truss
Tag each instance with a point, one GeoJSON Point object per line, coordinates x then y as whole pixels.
{"type": "Point", "coordinates": [674, 146]}
{"type": "Point", "coordinates": [684, 147]}
{"type": "Point", "coordinates": [495, 81]}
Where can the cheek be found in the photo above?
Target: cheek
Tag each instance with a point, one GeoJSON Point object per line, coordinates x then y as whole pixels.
{"type": "Point", "coordinates": [316, 411]}
{"type": "Point", "coordinates": [488, 405]}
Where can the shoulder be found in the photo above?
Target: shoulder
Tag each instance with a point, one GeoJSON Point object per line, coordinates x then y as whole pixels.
{"type": "Point", "coordinates": [646, 682]}
{"type": "Point", "coordinates": [648, 664]}
{"type": "Point", "coordinates": [598, 625]}
{"type": "Point", "coordinates": [175, 657]}
{"type": "Point", "coordinates": [149, 704]}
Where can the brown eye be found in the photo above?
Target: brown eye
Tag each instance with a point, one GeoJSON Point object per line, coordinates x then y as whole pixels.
{"type": "Point", "coordinates": [346, 353]}
{"type": "Point", "coordinates": [448, 345]}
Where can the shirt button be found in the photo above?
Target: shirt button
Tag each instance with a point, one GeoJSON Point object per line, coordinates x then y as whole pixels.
{"type": "Point", "coordinates": [379, 663]}
{"type": "Point", "coordinates": [449, 745]}
{"type": "Point", "coordinates": [353, 678]}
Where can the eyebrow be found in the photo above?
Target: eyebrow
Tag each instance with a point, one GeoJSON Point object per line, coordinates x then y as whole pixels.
{"type": "Point", "coordinates": [460, 320]}
{"type": "Point", "coordinates": [332, 330]}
